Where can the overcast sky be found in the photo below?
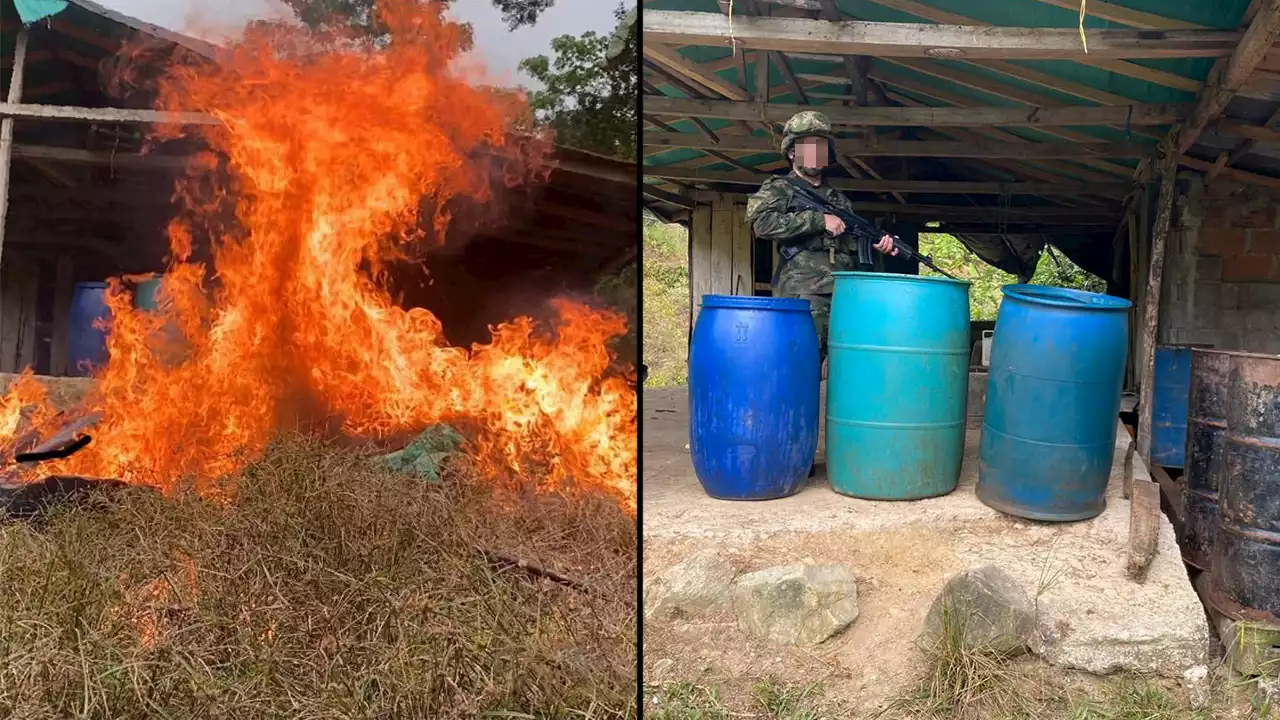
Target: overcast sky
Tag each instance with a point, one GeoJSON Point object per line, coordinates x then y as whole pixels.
{"type": "Point", "coordinates": [501, 49]}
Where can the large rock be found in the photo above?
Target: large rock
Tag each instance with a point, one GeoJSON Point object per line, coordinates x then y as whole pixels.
{"type": "Point", "coordinates": [796, 604]}
{"type": "Point", "coordinates": [690, 587]}
{"type": "Point", "coordinates": [983, 609]}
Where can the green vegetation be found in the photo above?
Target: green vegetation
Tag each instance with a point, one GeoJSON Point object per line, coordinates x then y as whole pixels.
{"type": "Point", "coordinates": [666, 290]}
{"type": "Point", "coordinates": [984, 295]}
{"type": "Point", "coordinates": [587, 97]}
{"type": "Point", "coordinates": [666, 302]}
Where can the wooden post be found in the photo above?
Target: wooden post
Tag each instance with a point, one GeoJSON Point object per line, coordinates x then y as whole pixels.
{"type": "Point", "coordinates": [1151, 302]}
{"type": "Point", "coordinates": [63, 289]}
{"type": "Point", "coordinates": [1144, 529]}
{"type": "Point", "coordinates": [6, 128]}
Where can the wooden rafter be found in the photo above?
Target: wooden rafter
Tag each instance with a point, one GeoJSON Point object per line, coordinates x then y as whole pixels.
{"type": "Point", "coordinates": [940, 187]}
{"type": "Point", "coordinates": [926, 40]}
{"type": "Point", "coordinates": [22, 111]}
{"type": "Point", "coordinates": [1228, 77]}
{"type": "Point", "coordinates": [918, 88]}
{"type": "Point", "coordinates": [1025, 150]}
{"type": "Point", "coordinates": [671, 60]}
{"type": "Point", "coordinates": [1125, 16]}
{"type": "Point", "coordinates": [1120, 67]}
{"type": "Point", "coordinates": [987, 85]}
{"type": "Point", "coordinates": [924, 116]}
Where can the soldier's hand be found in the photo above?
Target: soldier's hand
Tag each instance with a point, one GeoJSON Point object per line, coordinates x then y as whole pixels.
{"type": "Point", "coordinates": [835, 225]}
{"type": "Point", "coordinates": [886, 245]}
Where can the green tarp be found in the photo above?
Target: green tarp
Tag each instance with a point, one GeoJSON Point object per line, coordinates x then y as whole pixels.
{"type": "Point", "coordinates": [30, 11]}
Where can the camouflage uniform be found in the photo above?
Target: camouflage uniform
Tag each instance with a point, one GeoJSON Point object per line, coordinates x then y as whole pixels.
{"type": "Point", "coordinates": [807, 275]}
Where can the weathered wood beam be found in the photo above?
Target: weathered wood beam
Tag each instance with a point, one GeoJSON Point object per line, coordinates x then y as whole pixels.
{"type": "Point", "coordinates": [92, 157]}
{"type": "Point", "coordinates": [20, 111]}
{"type": "Point", "coordinates": [905, 186]}
{"type": "Point", "coordinates": [785, 68]}
{"type": "Point", "coordinates": [1227, 78]}
{"type": "Point", "coordinates": [1124, 15]}
{"type": "Point", "coordinates": [992, 87]}
{"type": "Point", "coordinates": [1120, 67]}
{"type": "Point", "coordinates": [924, 40]}
{"type": "Point", "coordinates": [6, 127]}
{"type": "Point", "coordinates": [666, 196]}
{"type": "Point", "coordinates": [1245, 130]}
{"type": "Point", "coordinates": [1248, 146]}
{"type": "Point", "coordinates": [915, 148]}
{"type": "Point", "coordinates": [1151, 303]}
{"type": "Point", "coordinates": [674, 62]}
{"type": "Point", "coordinates": [1240, 176]}
{"type": "Point", "coordinates": [1139, 114]}
{"type": "Point", "coordinates": [951, 98]}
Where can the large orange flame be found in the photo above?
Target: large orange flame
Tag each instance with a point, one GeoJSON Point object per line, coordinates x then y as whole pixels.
{"type": "Point", "coordinates": [332, 148]}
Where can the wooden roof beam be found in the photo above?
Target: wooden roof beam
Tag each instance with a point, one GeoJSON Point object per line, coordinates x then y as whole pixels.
{"type": "Point", "coordinates": [673, 62]}
{"type": "Point", "coordinates": [1125, 16]}
{"type": "Point", "coordinates": [915, 148]}
{"type": "Point", "coordinates": [1221, 170]}
{"type": "Point", "coordinates": [941, 187]}
{"type": "Point", "coordinates": [1120, 67]}
{"type": "Point", "coordinates": [1137, 114]}
{"type": "Point", "coordinates": [1228, 77]}
{"type": "Point", "coordinates": [25, 111]}
{"type": "Point", "coordinates": [926, 40]}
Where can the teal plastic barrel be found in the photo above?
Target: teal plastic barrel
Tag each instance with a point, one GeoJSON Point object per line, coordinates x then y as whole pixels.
{"type": "Point", "coordinates": [146, 295]}
{"type": "Point", "coordinates": [897, 383]}
{"type": "Point", "coordinates": [1053, 403]}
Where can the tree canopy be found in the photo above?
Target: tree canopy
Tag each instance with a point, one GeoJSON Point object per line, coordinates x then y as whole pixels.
{"type": "Point", "coordinates": [588, 94]}
{"type": "Point", "coordinates": [359, 15]}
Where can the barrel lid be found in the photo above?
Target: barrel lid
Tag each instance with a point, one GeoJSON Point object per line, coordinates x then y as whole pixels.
{"type": "Point", "coordinates": [747, 302]}
{"type": "Point", "coordinates": [897, 277]}
{"type": "Point", "coordinates": [1065, 297]}
{"type": "Point", "coordinates": [91, 285]}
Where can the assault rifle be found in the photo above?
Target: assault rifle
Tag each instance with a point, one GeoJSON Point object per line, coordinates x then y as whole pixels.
{"type": "Point", "coordinates": [864, 233]}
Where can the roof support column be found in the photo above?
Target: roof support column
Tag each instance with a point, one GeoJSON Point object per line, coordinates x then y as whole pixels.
{"type": "Point", "coordinates": [6, 128]}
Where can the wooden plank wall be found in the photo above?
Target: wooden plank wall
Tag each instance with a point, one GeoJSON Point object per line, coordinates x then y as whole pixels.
{"type": "Point", "coordinates": [720, 251]}
{"type": "Point", "coordinates": [18, 282]}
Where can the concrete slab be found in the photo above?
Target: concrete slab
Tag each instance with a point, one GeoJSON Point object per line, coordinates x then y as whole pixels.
{"type": "Point", "coordinates": [1090, 616]}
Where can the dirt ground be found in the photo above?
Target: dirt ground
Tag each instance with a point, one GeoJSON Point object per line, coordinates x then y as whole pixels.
{"type": "Point", "coordinates": [1091, 616]}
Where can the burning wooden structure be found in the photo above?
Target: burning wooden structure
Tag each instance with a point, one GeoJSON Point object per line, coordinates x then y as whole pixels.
{"type": "Point", "coordinates": [83, 197]}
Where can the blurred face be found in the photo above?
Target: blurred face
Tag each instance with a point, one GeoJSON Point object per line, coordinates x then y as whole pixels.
{"type": "Point", "coordinates": [811, 155]}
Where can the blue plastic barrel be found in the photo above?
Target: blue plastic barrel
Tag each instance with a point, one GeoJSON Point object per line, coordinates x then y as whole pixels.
{"type": "Point", "coordinates": [753, 396]}
{"type": "Point", "coordinates": [86, 343]}
{"type": "Point", "coordinates": [1169, 405]}
{"type": "Point", "coordinates": [1053, 402]}
{"type": "Point", "coordinates": [897, 384]}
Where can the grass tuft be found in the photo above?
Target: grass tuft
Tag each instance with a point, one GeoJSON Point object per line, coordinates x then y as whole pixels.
{"type": "Point", "coordinates": [328, 588]}
{"type": "Point", "coordinates": [961, 682]}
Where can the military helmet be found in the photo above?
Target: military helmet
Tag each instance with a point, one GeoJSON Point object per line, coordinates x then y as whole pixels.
{"type": "Point", "coordinates": [807, 123]}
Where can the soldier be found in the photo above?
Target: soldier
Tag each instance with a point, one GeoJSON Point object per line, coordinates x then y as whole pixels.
{"type": "Point", "coordinates": [805, 237]}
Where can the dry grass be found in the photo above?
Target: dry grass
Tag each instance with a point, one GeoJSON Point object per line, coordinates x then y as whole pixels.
{"type": "Point", "coordinates": [963, 682]}
{"type": "Point", "coordinates": [328, 589]}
